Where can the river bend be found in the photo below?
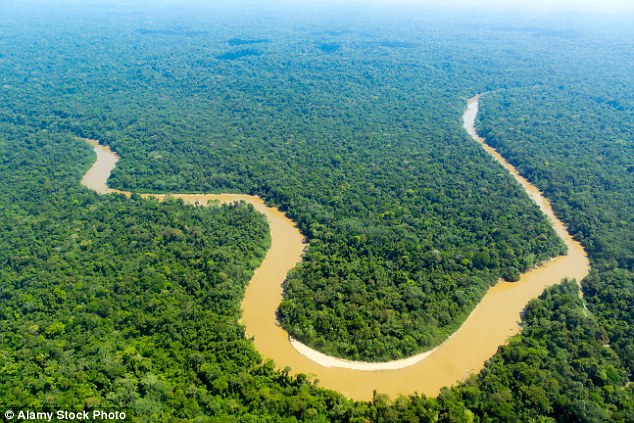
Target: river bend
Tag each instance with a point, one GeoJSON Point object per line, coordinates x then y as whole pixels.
{"type": "Point", "coordinates": [491, 323]}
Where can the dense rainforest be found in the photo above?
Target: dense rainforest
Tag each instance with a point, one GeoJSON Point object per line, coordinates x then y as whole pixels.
{"type": "Point", "coordinates": [588, 172]}
{"type": "Point", "coordinates": [351, 124]}
{"type": "Point", "coordinates": [405, 234]}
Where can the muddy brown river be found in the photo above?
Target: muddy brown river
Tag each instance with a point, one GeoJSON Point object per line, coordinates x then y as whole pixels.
{"type": "Point", "coordinates": [490, 324]}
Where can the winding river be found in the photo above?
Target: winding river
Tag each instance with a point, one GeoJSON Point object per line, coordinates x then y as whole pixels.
{"type": "Point", "coordinates": [490, 324]}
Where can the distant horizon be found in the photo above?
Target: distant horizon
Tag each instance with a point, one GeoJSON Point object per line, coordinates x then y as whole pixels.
{"type": "Point", "coordinates": [615, 6]}
{"type": "Point", "coordinates": [581, 6]}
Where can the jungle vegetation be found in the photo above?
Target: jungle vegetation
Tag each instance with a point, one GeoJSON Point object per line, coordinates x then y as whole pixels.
{"type": "Point", "coordinates": [350, 124]}
{"type": "Point", "coordinates": [405, 234]}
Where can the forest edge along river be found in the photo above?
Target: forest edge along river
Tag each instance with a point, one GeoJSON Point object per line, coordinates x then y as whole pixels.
{"type": "Point", "coordinates": [490, 324]}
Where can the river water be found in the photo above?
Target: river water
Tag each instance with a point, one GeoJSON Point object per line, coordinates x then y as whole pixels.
{"type": "Point", "coordinates": [490, 324]}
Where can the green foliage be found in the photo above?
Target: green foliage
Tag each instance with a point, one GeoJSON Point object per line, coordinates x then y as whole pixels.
{"type": "Point", "coordinates": [586, 169]}
{"type": "Point", "coordinates": [409, 221]}
{"type": "Point", "coordinates": [107, 302]}
{"type": "Point", "coordinates": [129, 318]}
{"type": "Point", "coordinates": [559, 369]}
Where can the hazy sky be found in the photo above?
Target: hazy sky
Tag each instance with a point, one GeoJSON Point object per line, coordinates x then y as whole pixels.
{"type": "Point", "coordinates": [616, 6]}
{"type": "Point", "coordinates": [622, 8]}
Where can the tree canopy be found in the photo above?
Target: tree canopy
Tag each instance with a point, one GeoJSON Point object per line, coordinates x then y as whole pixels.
{"type": "Point", "coordinates": [349, 123]}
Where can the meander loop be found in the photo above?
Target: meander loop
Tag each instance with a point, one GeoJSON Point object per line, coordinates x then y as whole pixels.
{"type": "Point", "coordinates": [490, 324]}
